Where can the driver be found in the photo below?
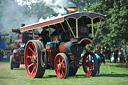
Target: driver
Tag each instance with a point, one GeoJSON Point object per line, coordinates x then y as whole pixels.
{"type": "Point", "coordinates": [44, 35]}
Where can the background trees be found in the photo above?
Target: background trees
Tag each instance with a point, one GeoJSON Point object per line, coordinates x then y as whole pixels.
{"type": "Point", "coordinates": [114, 31]}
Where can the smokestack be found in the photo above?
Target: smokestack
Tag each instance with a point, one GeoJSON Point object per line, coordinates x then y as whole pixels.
{"type": "Point", "coordinates": [24, 35]}
{"type": "Point", "coordinates": [22, 25]}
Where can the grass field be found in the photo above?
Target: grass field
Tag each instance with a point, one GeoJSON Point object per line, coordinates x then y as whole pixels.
{"type": "Point", "coordinates": [110, 74]}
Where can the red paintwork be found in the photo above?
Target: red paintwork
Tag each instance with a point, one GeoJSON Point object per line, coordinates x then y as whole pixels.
{"type": "Point", "coordinates": [43, 24]}
{"type": "Point", "coordinates": [86, 41]}
{"type": "Point", "coordinates": [62, 47]}
{"type": "Point", "coordinates": [15, 47]}
{"type": "Point", "coordinates": [17, 56]}
{"type": "Point", "coordinates": [51, 53]}
{"type": "Point", "coordinates": [17, 30]}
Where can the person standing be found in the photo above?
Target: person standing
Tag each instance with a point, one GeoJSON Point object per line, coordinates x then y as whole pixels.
{"type": "Point", "coordinates": [99, 62]}
{"type": "Point", "coordinates": [8, 52]}
{"type": "Point", "coordinates": [12, 48]}
{"type": "Point", "coordinates": [115, 53]}
{"type": "Point", "coordinates": [97, 50]}
{"type": "Point", "coordinates": [102, 55]}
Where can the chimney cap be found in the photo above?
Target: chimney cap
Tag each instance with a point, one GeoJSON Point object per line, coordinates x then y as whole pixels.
{"type": "Point", "coordinates": [71, 7]}
{"type": "Point", "coordinates": [22, 25]}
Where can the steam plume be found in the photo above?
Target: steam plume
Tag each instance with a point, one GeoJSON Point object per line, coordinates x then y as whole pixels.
{"type": "Point", "coordinates": [13, 16]}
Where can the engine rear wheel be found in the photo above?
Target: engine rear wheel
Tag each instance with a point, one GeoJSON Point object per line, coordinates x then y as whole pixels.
{"type": "Point", "coordinates": [90, 64]}
{"type": "Point", "coordinates": [61, 65]}
{"type": "Point", "coordinates": [33, 59]}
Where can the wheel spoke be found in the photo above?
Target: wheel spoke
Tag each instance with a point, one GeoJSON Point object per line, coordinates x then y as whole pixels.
{"type": "Point", "coordinates": [35, 56]}
{"type": "Point", "coordinates": [62, 72]}
{"type": "Point", "coordinates": [30, 65]}
{"type": "Point", "coordinates": [29, 56]}
{"type": "Point", "coordinates": [58, 70]}
{"type": "Point", "coordinates": [59, 60]}
{"type": "Point", "coordinates": [31, 50]}
{"type": "Point", "coordinates": [35, 50]}
{"type": "Point", "coordinates": [63, 65]}
{"type": "Point", "coordinates": [91, 63]}
{"type": "Point", "coordinates": [88, 58]}
{"type": "Point", "coordinates": [62, 60]}
{"type": "Point", "coordinates": [33, 70]}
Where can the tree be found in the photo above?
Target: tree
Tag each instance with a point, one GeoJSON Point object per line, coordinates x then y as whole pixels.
{"type": "Point", "coordinates": [80, 4]}
{"type": "Point", "coordinates": [114, 30]}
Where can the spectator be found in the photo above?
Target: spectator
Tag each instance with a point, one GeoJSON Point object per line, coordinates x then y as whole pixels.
{"type": "Point", "coordinates": [97, 50]}
{"type": "Point", "coordinates": [121, 57]}
{"type": "Point", "coordinates": [127, 60]}
{"type": "Point", "coordinates": [106, 52]}
{"type": "Point", "coordinates": [99, 62]}
{"type": "Point", "coordinates": [8, 52]}
{"type": "Point", "coordinates": [115, 53]}
{"type": "Point", "coordinates": [1, 55]}
{"type": "Point", "coordinates": [102, 55]}
{"type": "Point", "coordinates": [12, 48]}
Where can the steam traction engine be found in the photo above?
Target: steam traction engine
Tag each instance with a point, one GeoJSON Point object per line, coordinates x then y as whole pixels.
{"type": "Point", "coordinates": [62, 49]}
{"type": "Point", "coordinates": [18, 54]}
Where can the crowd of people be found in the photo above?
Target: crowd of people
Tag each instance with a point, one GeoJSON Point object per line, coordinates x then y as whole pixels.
{"type": "Point", "coordinates": [8, 52]}
{"type": "Point", "coordinates": [116, 56]}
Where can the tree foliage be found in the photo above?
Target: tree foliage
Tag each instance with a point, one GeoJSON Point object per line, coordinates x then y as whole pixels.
{"type": "Point", "coordinates": [81, 3]}
{"type": "Point", "coordinates": [114, 31]}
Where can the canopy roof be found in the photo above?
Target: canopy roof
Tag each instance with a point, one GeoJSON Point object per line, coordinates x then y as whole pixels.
{"type": "Point", "coordinates": [90, 15]}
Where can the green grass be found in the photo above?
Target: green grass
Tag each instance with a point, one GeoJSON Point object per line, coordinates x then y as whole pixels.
{"type": "Point", "coordinates": [110, 74]}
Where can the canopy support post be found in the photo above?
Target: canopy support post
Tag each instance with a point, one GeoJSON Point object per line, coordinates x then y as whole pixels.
{"type": "Point", "coordinates": [70, 29]}
{"type": "Point", "coordinates": [92, 28]}
{"type": "Point", "coordinates": [77, 28]}
{"type": "Point", "coordinates": [33, 34]}
{"type": "Point", "coordinates": [49, 31]}
{"type": "Point", "coordinates": [62, 27]}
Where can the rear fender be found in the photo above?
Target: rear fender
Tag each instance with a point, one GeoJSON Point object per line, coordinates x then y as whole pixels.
{"type": "Point", "coordinates": [85, 41]}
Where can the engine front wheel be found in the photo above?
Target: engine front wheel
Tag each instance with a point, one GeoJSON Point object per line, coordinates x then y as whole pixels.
{"type": "Point", "coordinates": [12, 63]}
{"type": "Point", "coordinates": [61, 65]}
{"type": "Point", "coordinates": [90, 64]}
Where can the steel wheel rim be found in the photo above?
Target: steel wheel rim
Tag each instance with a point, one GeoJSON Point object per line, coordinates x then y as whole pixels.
{"type": "Point", "coordinates": [31, 59]}
{"type": "Point", "coordinates": [60, 67]}
{"type": "Point", "coordinates": [88, 66]}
